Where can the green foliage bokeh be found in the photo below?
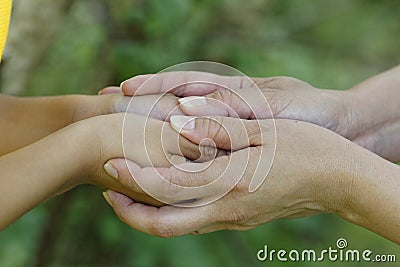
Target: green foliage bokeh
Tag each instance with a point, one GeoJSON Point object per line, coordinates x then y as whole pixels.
{"type": "Point", "coordinates": [330, 44]}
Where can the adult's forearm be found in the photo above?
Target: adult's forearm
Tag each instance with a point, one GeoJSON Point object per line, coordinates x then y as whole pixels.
{"type": "Point", "coordinates": [377, 114]}
{"type": "Point", "coordinates": [373, 194]}
{"type": "Point", "coordinates": [381, 90]}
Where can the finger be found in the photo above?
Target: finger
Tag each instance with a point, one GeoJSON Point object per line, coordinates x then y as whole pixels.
{"type": "Point", "coordinates": [110, 90]}
{"type": "Point", "coordinates": [160, 106]}
{"type": "Point", "coordinates": [194, 184]}
{"type": "Point", "coordinates": [227, 133]}
{"type": "Point", "coordinates": [166, 221]}
{"type": "Point", "coordinates": [183, 83]}
{"type": "Point", "coordinates": [154, 142]}
{"type": "Point", "coordinates": [203, 152]}
{"type": "Point", "coordinates": [235, 134]}
{"type": "Point", "coordinates": [157, 183]}
{"type": "Point", "coordinates": [246, 104]}
{"type": "Point", "coordinates": [178, 148]}
{"type": "Point", "coordinates": [125, 171]}
{"type": "Point", "coordinates": [184, 148]}
{"type": "Point", "coordinates": [120, 170]}
{"type": "Point", "coordinates": [158, 144]}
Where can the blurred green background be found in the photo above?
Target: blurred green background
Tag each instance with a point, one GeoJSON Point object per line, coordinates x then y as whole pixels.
{"type": "Point", "coordinates": [63, 47]}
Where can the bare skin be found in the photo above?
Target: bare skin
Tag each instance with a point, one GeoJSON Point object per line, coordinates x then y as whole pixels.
{"type": "Point", "coordinates": [367, 114]}
{"type": "Point", "coordinates": [20, 169]}
{"type": "Point", "coordinates": [304, 180]}
{"type": "Point", "coordinates": [347, 180]}
{"type": "Point", "coordinates": [25, 120]}
{"type": "Point", "coordinates": [40, 160]}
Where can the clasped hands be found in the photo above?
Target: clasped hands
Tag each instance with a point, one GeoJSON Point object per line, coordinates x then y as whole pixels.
{"type": "Point", "coordinates": [212, 150]}
{"type": "Point", "coordinates": [316, 168]}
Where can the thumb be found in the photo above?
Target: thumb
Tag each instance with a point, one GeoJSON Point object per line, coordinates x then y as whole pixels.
{"type": "Point", "coordinates": [245, 103]}
{"type": "Point", "coordinates": [222, 132]}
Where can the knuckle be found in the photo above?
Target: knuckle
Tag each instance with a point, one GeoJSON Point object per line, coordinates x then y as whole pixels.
{"type": "Point", "coordinates": [224, 96]}
{"type": "Point", "coordinates": [203, 125]}
{"type": "Point", "coordinates": [121, 214]}
{"type": "Point", "coordinates": [171, 185]}
{"type": "Point", "coordinates": [134, 186]}
{"type": "Point", "coordinates": [188, 149]}
{"type": "Point", "coordinates": [217, 131]}
{"type": "Point", "coordinates": [279, 82]}
{"type": "Point", "coordinates": [272, 82]}
{"type": "Point", "coordinates": [127, 180]}
{"type": "Point", "coordinates": [215, 126]}
{"type": "Point", "coordinates": [237, 217]}
{"type": "Point", "coordinates": [293, 83]}
{"type": "Point", "coordinates": [253, 130]}
{"type": "Point", "coordinates": [207, 153]}
{"type": "Point", "coordinates": [209, 125]}
{"type": "Point", "coordinates": [233, 104]}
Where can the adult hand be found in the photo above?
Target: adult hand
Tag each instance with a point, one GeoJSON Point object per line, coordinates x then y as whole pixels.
{"type": "Point", "coordinates": [288, 98]}
{"type": "Point", "coordinates": [358, 114]}
{"type": "Point", "coordinates": [306, 178]}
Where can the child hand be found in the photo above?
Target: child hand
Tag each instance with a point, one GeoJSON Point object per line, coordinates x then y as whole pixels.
{"type": "Point", "coordinates": [146, 141]}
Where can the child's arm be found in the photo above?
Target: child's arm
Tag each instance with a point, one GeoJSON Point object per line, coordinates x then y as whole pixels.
{"type": "Point", "coordinates": [26, 120]}
{"type": "Point", "coordinates": [76, 154]}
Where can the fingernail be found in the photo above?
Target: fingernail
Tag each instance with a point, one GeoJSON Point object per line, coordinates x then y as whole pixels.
{"type": "Point", "coordinates": [182, 123]}
{"type": "Point", "coordinates": [193, 101]}
{"type": "Point", "coordinates": [111, 170]}
{"type": "Point", "coordinates": [107, 198]}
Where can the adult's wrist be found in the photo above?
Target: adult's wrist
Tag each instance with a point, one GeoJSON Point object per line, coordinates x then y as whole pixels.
{"type": "Point", "coordinates": [376, 101]}
{"type": "Point", "coordinates": [378, 117]}
{"type": "Point", "coordinates": [370, 193]}
{"type": "Point", "coordinates": [344, 116]}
